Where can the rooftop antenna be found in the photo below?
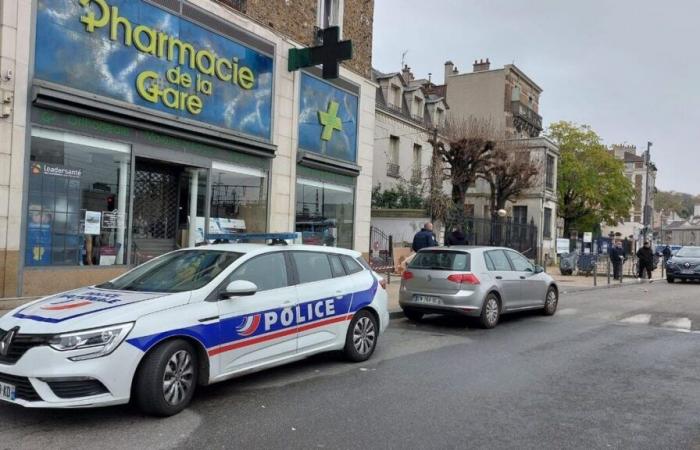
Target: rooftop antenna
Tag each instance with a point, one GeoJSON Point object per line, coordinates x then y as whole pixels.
{"type": "Point", "coordinates": [403, 58]}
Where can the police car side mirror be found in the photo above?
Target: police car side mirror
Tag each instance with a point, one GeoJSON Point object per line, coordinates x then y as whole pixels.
{"type": "Point", "coordinates": [539, 269]}
{"type": "Point", "coordinates": [238, 288]}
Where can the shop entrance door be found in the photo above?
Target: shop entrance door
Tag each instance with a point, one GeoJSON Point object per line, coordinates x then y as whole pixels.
{"type": "Point", "coordinates": [155, 213]}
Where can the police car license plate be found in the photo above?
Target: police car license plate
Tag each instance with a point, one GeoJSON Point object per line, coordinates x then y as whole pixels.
{"type": "Point", "coordinates": [7, 392]}
{"type": "Point", "coordinates": [427, 299]}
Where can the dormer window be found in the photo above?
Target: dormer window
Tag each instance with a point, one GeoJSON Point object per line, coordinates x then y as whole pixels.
{"type": "Point", "coordinates": [396, 96]}
{"type": "Point", "coordinates": [417, 107]}
{"type": "Point", "coordinates": [439, 116]}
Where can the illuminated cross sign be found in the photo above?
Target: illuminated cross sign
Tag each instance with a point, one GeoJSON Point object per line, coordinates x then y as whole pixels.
{"type": "Point", "coordinates": [330, 121]}
{"type": "Point", "coordinates": [329, 54]}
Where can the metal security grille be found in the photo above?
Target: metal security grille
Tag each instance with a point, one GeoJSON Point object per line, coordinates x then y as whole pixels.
{"type": "Point", "coordinates": [155, 201]}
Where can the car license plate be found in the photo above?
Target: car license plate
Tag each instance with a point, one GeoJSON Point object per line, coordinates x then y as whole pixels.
{"type": "Point", "coordinates": [427, 299]}
{"type": "Point", "coordinates": [687, 272]}
{"type": "Point", "coordinates": [7, 392]}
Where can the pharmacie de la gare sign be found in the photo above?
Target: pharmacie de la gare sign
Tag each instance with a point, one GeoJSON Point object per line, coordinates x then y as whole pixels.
{"type": "Point", "coordinates": [133, 51]}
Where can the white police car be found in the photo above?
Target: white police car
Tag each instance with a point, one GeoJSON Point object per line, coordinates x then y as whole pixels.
{"type": "Point", "coordinates": [191, 317]}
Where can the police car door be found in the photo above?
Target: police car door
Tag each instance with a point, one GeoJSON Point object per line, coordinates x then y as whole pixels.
{"type": "Point", "coordinates": [323, 301]}
{"type": "Point", "coordinates": [260, 328]}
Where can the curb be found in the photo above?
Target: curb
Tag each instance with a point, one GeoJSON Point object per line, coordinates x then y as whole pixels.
{"type": "Point", "coordinates": [398, 314]}
{"type": "Point", "coordinates": [634, 282]}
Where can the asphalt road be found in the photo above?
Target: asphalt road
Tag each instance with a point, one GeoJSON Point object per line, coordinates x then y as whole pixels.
{"type": "Point", "coordinates": [615, 368]}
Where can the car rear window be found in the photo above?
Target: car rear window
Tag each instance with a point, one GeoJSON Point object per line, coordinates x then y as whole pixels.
{"type": "Point", "coordinates": [441, 260]}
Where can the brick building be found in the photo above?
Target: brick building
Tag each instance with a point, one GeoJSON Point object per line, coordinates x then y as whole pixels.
{"type": "Point", "coordinates": [186, 121]}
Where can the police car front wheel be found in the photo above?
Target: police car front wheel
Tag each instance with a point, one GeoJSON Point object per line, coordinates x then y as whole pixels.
{"type": "Point", "coordinates": [361, 339]}
{"type": "Point", "coordinates": [166, 380]}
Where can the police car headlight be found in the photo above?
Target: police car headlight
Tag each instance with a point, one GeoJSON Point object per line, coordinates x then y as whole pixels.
{"type": "Point", "coordinates": [102, 340]}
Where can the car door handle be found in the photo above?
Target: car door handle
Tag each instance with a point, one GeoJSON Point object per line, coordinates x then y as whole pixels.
{"type": "Point", "coordinates": [499, 277]}
{"type": "Point", "coordinates": [522, 277]}
{"type": "Point", "coordinates": [339, 294]}
{"type": "Point", "coordinates": [287, 303]}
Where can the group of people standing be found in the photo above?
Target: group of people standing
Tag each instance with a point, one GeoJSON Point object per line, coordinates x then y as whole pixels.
{"type": "Point", "coordinates": [645, 257]}
{"type": "Point", "coordinates": [426, 238]}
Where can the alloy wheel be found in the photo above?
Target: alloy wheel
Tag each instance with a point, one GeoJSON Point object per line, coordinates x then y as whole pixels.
{"type": "Point", "coordinates": [551, 300]}
{"type": "Point", "coordinates": [364, 336]}
{"type": "Point", "coordinates": [491, 310]}
{"type": "Point", "coordinates": [178, 377]}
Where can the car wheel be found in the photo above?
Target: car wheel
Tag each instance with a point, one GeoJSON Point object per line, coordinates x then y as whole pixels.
{"type": "Point", "coordinates": [490, 312]}
{"type": "Point", "coordinates": [361, 338]}
{"type": "Point", "coordinates": [412, 314]}
{"type": "Point", "coordinates": [551, 302]}
{"type": "Point", "coordinates": [670, 279]}
{"type": "Point", "coordinates": [167, 378]}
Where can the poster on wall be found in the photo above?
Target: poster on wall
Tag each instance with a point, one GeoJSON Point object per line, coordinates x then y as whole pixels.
{"type": "Point", "coordinates": [38, 243]}
{"type": "Point", "coordinates": [563, 246]}
{"type": "Point", "coordinates": [92, 222]}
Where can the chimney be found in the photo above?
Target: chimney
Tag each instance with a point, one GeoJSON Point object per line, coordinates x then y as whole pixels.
{"type": "Point", "coordinates": [406, 72]}
{"type": "Point", "coordinates": [449, 66]}
{"type": "Point", "coordinates": [481, 65]}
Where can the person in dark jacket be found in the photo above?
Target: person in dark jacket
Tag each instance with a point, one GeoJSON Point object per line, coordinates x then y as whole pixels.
{"type": "Point", "coordinates": [617, 258]}
{"type": "Point", "coordinates": [424, 238]}
{"type": "Point", "coordinates": [455, 237]}
{"type": "Point", "coordinates": [646, 260]}
{"type": "Point", "coordinates": [667, 253]}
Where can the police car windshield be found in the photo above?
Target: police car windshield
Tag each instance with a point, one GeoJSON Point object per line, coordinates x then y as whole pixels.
{"type": "Point", "coordinates": [181, 271]}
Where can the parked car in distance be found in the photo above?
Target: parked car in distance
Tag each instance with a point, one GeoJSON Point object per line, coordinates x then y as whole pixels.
{"type": "Point", "coordinates": [684, 265]}
{"type": "Point", "coordinates": [482, 282]}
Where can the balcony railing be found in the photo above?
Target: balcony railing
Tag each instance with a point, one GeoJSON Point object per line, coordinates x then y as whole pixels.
{"type": "Point", "coordinates": [392, 170]}
{"type": "Point", "coordinates": [526, 118]}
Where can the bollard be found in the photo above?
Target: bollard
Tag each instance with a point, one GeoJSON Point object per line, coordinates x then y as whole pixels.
{"type": "Point", "coordinates": [608, 271]}
{"type": "Point", "coordinates": [595, 271]}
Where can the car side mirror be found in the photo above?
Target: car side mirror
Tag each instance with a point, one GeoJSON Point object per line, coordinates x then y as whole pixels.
{"type": "Point", "coordinates": [539, 269]}
{"type": "Point", "coordinates": [238, 288]}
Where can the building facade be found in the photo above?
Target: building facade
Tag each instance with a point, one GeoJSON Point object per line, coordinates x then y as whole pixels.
{"type": "Point", "coordinates": [642, 176]}
{"type": "Point", "coordinates": [509, 100]}
{"type": "Point", "coordinates": [136, 127]}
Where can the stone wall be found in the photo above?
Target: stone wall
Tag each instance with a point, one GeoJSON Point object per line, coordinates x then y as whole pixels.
{"type": "Point", "coordinates": [297, 19]}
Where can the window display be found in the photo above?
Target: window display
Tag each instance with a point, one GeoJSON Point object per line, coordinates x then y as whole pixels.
{"type": "Point", "coordinates": [78, 200]}
{"type": "Point", "coordinates": [324, 213]}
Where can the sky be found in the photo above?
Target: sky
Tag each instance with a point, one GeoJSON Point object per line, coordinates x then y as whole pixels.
{"type": "Point", "coordinates": [629, 69]}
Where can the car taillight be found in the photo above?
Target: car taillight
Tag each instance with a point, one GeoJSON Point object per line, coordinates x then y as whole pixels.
{"type": "Point", "coordinates": [407, 275]}
{"type": "Point", "coordinates": [468, 278]}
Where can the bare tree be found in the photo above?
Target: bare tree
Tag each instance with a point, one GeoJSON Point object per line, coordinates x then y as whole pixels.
{"type": "Point", "coordinates": [510, 172]}
{"type": "Point", "coordinates": [465, 146]}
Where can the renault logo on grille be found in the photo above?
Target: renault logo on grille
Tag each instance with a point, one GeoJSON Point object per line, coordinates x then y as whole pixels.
{"type": "Point", "coordinates": [687, 265]}
{"type": "Point", "coordinates": [7, 341]}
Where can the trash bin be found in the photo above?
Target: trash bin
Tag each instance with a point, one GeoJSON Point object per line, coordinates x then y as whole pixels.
{"type": "Point", "coordinates": [567, 263]}
{"type": "Point", "coordinates": [586, 264]}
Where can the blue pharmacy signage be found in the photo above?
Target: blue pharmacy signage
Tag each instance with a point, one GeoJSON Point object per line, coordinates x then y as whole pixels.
{"type": "Point", "coordinates": [327, 119]}
{"type": "Point", "coordinates": [135, 52]}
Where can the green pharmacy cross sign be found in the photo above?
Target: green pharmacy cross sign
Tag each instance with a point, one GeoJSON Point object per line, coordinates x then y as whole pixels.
{"type": "Point", "coordinates": [330, 121]}
{"type": "Point", "coordinates": [329, 54]}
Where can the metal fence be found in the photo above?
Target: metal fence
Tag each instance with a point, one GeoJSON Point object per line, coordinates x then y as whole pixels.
{"type": "Point", "coordinates": [381, 250]}
{"type": "Point", "coordinates": [503, 232]}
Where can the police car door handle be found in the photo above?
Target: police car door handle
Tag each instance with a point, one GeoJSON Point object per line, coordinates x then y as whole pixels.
{"type": "Point", "coordinates": [339, 294]}
{"type": "Point", "coordinates": [287, 303]}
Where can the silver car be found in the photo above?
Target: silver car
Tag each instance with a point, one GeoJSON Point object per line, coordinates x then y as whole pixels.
{"type": "Point", "coordinates": [482, 282]}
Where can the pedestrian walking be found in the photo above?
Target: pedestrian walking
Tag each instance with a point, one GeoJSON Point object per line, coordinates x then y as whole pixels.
{"type": "Point", "coordinates": [645, 257]}
{"type": "Point", "coordinates": [456, 237]}
{"type": "Point", "coordinates": [617, 258]}
{"type": "Point", "coordinates": [424, 238]}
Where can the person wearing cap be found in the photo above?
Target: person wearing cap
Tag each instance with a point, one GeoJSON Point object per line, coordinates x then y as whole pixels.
{"type": "Point", "coordinates": [646, 260]}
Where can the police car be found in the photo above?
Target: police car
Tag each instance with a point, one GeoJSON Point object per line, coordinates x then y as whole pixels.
{"type": "Point", "coordinates": [190, 317]}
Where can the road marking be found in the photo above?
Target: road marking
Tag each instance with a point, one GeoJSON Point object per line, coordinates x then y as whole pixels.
{"type": "Point", "coordinates": [641, 319]}
{"type": "Point", "coordinates": [682, 323]}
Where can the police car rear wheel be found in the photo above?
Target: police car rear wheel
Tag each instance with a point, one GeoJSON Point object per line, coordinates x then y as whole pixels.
{"type": "Point", "coordinates": [361, 339]}
{"type": "Point", "coordinates": [167, 378]}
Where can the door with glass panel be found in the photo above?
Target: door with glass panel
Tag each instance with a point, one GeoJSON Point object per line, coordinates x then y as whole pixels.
{"type": "Point", "coordinates": [324, 213]}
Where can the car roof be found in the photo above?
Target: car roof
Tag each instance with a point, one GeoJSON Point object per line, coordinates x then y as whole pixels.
{"type": "Point", "coordinates": [263, 248]}
{"type": "Point", "coordinates": [466, 248]}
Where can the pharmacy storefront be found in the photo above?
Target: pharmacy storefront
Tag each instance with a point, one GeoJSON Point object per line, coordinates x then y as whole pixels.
{"type": "Point", "coordinates": [149, 126]}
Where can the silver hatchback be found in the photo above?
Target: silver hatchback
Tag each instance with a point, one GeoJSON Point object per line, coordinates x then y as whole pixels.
{"type": "Point", "coordinates": [482, 282]}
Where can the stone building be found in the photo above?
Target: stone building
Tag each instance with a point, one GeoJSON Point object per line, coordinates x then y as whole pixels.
{"type": "Point", "coordinates": [509, 99]}
{"type": "Point", "coordinates": [638, 172]}
{"type": "Point", "coordinates": [186, 121]}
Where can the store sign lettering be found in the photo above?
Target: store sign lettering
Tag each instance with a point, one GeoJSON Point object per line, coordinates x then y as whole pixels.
{"type": "Point", "coordinates": [56, 171]}
{"type": "Point", "coordinates": [144, 55]}
{"type": "Point", "coordinates": [161, 45]}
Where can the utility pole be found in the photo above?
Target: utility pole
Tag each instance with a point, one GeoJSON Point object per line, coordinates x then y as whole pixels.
{"type": "Point", "coordinates": [647, 211]}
